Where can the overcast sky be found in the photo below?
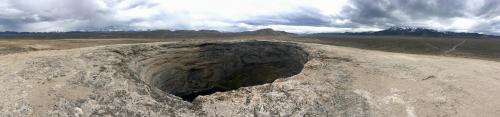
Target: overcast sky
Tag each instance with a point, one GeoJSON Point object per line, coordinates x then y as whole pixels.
{"type": "Point", "coordinates": [299, 16]}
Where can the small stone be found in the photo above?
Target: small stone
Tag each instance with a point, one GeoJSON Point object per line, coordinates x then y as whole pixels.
{"type": "Point", "coordinates": [78, 112]}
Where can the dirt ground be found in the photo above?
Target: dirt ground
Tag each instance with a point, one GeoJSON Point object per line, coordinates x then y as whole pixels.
{"type": "Point", "coordinates": [9, 46]}
{"type": "Point", "coordinates": [337, 81]}
{"type": "Point", "coordinates": [475, 49]}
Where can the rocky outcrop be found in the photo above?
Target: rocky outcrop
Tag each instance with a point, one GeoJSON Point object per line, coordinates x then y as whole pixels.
{"type": "Point", "coordinates": [243, 78]}
{"type": "Point", "coordinates": [145, 79]}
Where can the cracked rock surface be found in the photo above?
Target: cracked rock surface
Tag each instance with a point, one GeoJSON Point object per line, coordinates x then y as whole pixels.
{"type": "Point", "coordinates": [252, 78]}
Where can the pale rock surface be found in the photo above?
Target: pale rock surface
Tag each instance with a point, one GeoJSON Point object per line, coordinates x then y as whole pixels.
{"type": "Point", "coordinates": [123, 80]}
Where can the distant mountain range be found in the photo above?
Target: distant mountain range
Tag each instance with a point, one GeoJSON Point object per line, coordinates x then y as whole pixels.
{"type": "Point", "coordinates": [118, 33]}
{"type": "Point", "coordinates": [412, 31]}
{"type": "Point", "coordinates": [140, 34]}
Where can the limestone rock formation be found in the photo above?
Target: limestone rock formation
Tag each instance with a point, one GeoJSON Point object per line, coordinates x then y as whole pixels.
{"type": "Point", "coordinates": [244, 78]}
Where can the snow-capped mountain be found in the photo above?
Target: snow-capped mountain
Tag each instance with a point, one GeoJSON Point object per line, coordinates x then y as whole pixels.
{"type": "Point", "coordinates": [410, 31]}
{"type": "Point", "coordinates": [413, 31]}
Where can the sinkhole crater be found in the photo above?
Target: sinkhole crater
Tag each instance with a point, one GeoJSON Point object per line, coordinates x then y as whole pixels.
{"type": "Point", "coordinates": [191, 70]}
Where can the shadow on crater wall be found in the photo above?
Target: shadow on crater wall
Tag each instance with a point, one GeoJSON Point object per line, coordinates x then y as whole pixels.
{"type": "Point", "coordinates": [191, 70]}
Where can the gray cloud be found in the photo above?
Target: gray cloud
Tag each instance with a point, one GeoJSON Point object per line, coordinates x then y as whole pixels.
{"type": "Point", "coordinates": [490, 9]}
{"type": "Point", "coordinates": [300, 17]}
{"type": "Point", "coordinates": [488, 27]}
{"type": "Point", "coordinates": [56, 14]}
{"type": "Point", "coordinates": [423, 13]}
{"type": "Point", "coordinates": [399, 12]}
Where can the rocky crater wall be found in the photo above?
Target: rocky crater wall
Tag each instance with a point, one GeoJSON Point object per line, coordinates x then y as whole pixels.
{"type": "Point", "coordinates": [189, 70]}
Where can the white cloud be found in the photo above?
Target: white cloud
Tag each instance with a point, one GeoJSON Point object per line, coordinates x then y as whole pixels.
{"type": "Point", "coordinates": [463, 24]}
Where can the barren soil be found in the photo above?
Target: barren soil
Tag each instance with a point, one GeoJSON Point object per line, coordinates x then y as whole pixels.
{"type": "Point", "coordinates": [126, 80]}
